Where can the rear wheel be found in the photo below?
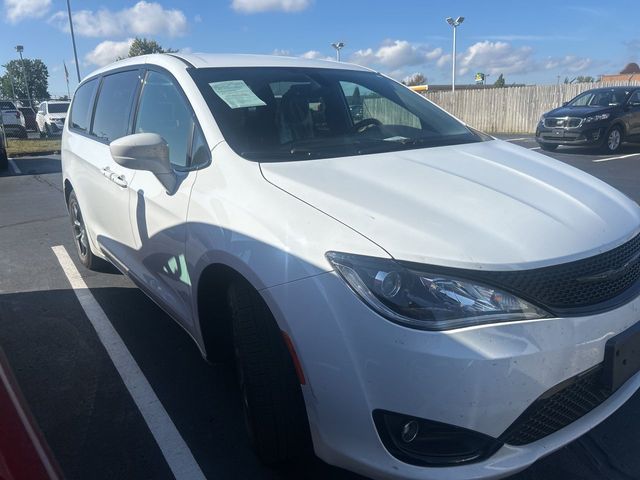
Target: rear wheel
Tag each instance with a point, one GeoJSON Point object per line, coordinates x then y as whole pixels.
{"type": "Point", "coordinates": [613, 140]}
{"type": "Point", "coordinates": [81, 236]}
{"type": "Point", "coordinates": [272, 401]}
{"type": "Point", "coordinates": [549, 147]}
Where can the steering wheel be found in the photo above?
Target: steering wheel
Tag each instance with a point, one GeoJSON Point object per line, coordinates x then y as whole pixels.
{"type": "Point", "coordinates": [365, 124]}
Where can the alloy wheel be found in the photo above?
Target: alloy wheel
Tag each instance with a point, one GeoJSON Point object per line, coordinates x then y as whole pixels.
{"type": "Point", "coordinates": [613, 141]}
{"type": "Point", "coordinates": [79, 230]}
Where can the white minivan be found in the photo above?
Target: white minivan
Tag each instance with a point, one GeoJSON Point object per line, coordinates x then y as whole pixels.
{"type": "Point", "coordinates": [403, 295]}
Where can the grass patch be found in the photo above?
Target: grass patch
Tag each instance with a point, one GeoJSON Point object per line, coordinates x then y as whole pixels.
{"type": "Point", "coordinates": [34, 146]}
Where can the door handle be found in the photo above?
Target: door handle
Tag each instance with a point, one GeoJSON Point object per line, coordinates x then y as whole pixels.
{"type": "Point", "coordinates": [119, 180]}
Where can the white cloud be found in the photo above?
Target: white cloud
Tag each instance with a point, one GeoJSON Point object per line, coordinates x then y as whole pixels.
{"type": "Point", "coordinates": [568, 63]}
{"type": "Point", "coordinates": [281, 52]}
{"type": "Point", "coordinates": [144, 18]}
{"type": "Point", "coordinates": [495, 58]}
{"type": "Point", "coordinates": [396, 54]}
{"type": "Point", "coordinates": [17, 10]}
{"type": "Point", "coordinates": [108, 51]}
{"type": "Point", "coordinates": [316, 55]}
{"type": "Point", "coordinates": [257, 6]}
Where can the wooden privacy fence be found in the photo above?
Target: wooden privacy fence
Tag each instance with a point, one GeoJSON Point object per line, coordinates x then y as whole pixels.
{"type": "Point", "coordinates": [510, 109]}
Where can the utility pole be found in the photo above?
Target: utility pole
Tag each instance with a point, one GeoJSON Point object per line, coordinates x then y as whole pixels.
{"type": "Point", "coordinates": [454, 23]}
{"type": "Point", "coordinates": [73, 41]}
{"type": "Point", "coordinates": [20, 49]}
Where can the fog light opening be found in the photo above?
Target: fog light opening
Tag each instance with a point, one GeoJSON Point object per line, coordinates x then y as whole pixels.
{"type": "Point", "coordinates": [418, 441]}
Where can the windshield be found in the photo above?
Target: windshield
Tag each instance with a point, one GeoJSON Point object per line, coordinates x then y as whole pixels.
{"type": "Point", "coordinates": [599, 98]}
{"type": "Point", "coordinates": [280, 114]}
{"type": "Point", "coordinates": [58, 107]}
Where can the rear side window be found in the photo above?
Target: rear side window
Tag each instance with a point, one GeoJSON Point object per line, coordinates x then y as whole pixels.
{"type": "Point", "coordinates": [113, 108]}
{"type": "Point", "coordinates": [82, 106]}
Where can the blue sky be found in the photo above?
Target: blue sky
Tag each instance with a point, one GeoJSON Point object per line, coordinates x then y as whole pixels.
{"type": "Point", "coordinates": [527, 41]}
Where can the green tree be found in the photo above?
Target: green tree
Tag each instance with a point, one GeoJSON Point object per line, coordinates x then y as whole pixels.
{"type": "Point", "coordinates": [500, 82]}
{"type": "Point", "coordinates": [13, 80]}
{"type": "Point", "coordinates": [144, 46]}
{"type": "Point", "coordinates": [415, 79]}
{"type": "Point", "coordinates": [587, 79]}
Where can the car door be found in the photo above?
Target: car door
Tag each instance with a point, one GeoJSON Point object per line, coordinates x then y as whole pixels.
{"type": "Point", "coordinates": [104, 194]}
{"type": "Point", "coordinates": [159, 216]}
{"type": "Point", "coordinates": [633, 114]}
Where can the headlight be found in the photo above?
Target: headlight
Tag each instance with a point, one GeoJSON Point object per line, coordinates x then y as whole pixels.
{"type": "Point", "coordinates": [597, 118]}
{"type": "Point", "coordinates": [427, 300]}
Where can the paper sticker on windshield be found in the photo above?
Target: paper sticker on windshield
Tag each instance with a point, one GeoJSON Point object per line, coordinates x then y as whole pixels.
{"type": "Point", "coordinates": [236, 94]}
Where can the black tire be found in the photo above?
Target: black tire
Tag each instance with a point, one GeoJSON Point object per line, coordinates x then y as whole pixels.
{"type": "Point", "coordinates": [612, 142]}
{"type": "Point", "coordinates": [272, 401]}
{"type": "Point", "coordinates": [47, 132]}
{"type": "Point", "coordinates": [548, 147]}
{"type": "Point", "coordinates": [81, 238]}
{"type": "Point", "coordinates": [4, 160]}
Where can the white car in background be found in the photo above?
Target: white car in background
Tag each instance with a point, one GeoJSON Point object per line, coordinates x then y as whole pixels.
{"type": "Point", "coordinates": [51, 116]}
{"type": "Point", "coordinates": [12, 120]}
{"type": "Point", "coordinates": [410, 297]}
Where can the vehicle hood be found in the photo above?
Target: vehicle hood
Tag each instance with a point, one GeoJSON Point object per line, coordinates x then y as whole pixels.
{"type": "Point", "coordinates": [487, 205]}
{"type": "Point", "coordinates": [580, 112]}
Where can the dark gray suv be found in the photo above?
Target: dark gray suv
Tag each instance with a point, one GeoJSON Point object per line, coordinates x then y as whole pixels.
{"type": "Point", "coordinates": [603, 117]}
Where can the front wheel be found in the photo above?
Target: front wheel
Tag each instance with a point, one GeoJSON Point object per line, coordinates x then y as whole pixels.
{"type": "Point", "coordinates": [4, 160]}
{"type": "Point", "coordinates": [273, 406]}
{"type": "Point", "coordinates": [548, 147]}
{"type": "Point", "coordinates": [613, 140]}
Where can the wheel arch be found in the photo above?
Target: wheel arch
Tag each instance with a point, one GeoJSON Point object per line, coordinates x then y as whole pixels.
{"type": "Point", "coordinates": [213, 314]}
{"type": "Point", "coordinates": [68, 188]}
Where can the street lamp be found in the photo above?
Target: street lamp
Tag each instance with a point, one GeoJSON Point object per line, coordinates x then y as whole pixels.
{"type": "Point", "coordinates": [454, 23]}
{"type": "Point", "coordinates": [338, 46]}
{"type": "Point", "coordinates": [20, 49]}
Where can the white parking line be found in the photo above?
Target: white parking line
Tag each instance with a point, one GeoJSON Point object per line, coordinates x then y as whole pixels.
{"type": "Point", "coordinates": [175, 450]}
{"type": "Point", "coordinates": [615, 158]}
{"type": "Point", "coordinates": [14, 167]}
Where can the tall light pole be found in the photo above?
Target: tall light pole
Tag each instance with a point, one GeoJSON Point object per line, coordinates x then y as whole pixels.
{"type": "Point", "coordinates": [454, 23]}
{"type": "Point", "coordinates": [338, 46]}
{"type": "Point", "coordinates": [73, 41]}
{"type": "Point", "coordinates": [20, 49]}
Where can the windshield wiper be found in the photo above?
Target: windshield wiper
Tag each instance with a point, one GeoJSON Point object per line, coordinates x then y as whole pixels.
{"type": "Point", "coordinates": [293, 154]}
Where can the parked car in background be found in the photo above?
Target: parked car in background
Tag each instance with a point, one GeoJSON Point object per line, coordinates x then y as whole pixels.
{"type": "Point", "coordinates": [51, 116]}
{"type": "Point", "coordinates": [29, 115]}
{"type": "Point", "coordinates": [12, 119]}
{"type": "Point", "coordinates": [602, 117]}
{"type": "Point", "coordinates": [403, 294]}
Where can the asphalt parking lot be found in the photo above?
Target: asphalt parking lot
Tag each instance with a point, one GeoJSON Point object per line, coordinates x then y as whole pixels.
{"type": "Point", "coordinates": [94, 423]}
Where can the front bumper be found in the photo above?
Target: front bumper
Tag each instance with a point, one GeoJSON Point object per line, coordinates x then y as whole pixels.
{"type": "Point", "coordinates": [582, 136]}
{"type": "Point", "coordinates": [479, 378]}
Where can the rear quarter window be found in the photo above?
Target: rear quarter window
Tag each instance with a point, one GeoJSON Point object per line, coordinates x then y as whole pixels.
{"type": "Point", "coordinates": [82, 106]}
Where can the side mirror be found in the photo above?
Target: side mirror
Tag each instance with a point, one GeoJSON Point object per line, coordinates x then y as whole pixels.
{"type": "Point", "coordinates": [145, 151]}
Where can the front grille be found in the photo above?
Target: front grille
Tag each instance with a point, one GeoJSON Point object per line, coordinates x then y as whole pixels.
{"type": "Point", "coordinates": [590, 285]}
{"type": "Point", "coordinates": [577, 284]}
{"type": "Point", "coordinates": [563, 122]}
{"type": "Point", "coordinates": [565, 404]}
